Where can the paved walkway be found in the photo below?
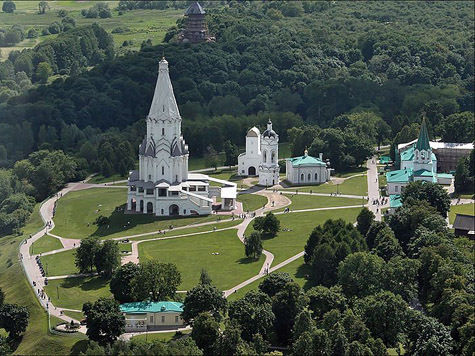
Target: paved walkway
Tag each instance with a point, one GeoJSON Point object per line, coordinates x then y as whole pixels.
{"type": "Point", "coordinates": [373, 188]}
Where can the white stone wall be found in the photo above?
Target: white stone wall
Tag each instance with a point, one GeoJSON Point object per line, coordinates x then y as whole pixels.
{"type": "Point", "coordinates": [395, 188]}
{"type": "Point", "coordinates": [306, 174]}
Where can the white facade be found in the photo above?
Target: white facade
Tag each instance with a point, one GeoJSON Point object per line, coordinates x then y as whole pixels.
{"type": "Point", "coordinates": [162, 185]}
{"type": "Point", "coordinates": [306, 170]}
{"type": "Point", "coordinates": [261, 156]}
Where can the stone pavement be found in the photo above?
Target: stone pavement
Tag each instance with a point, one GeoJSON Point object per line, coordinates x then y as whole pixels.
{"type": "Point", "coordinates": [373, 188]}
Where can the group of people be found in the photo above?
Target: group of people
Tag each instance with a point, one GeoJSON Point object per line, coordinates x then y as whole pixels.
{"type": "Point", "coordinates": [381, 201]}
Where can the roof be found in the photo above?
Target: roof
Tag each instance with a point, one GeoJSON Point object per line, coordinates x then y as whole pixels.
{"type": "Point", "coordinates": [228, 192]}
{"type": "Point", "coordinates": [445, 175]}
{"type": "Point", "coordinates": [423, 140]}
{"type": "Point", "coordinates": [439, 144]}
{"type": "Point", "coordinates": [195, 9]}
{"type": "Point", "coordinates": [163, 103]}
{"type": "Point", "coordinates": [151, 307]}
{"type": "Point", "coordinates": [395, 201]}
{"type": "Point", "coordinates": [399, 176]}
{"type": "Point", "coordinates": [408, 155]}
{"type": "Point", "coordinates": [423, 173]}
{"type": "Point", "coordinates": [305, 161]}
{"type": "Point", "coordinates": [254, 132]}
{"type": "Point", "coordinates": [464, 222]}
{"type": "Point", "coordinates": [384, 159]}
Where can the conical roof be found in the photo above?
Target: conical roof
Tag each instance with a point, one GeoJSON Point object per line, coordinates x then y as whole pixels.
{"type": "Point", "coordinates": [195, 9]}
{"type": "Point", "coordinates": [423, 140]}
{"type": "Point", "coordinates": [164, 104]}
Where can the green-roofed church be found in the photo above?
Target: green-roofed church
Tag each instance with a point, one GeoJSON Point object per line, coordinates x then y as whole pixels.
{"type": "Point", "coordinates": [306, 170]}
{"type": "Point", "coordinates": [417, 162]}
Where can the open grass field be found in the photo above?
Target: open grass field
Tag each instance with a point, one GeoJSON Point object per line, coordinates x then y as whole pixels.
{"type": "Point", "coordinates": [354, 186]}
{"type": "Point", "coordinates": [251, 202]}
{"type": "Point", "coordinates": [72, 293]}
{"type": "Point", "coordinates": [191, 230]}
{"type": "Point", "coordinates": [300, 201]}
{"type": "Point", "coordinates": [167, 336]}
{"type": "Point", "coordinates": [59, 264]}
{"type": "Point", "coordinates": [139, 25]}
{"type": "Point", "coordinates": [75, 315]}
{"type": "Point", "coordinates": [99, 178]}
{"type": "Point", "coordinates": [77, 211]}
{"type": "Point", "coordinates": [45, 244]}
{"type": "Point", "coordinates": [351, 172]}
{"type": "Point", "coordinates": [288, 243]}
{"type": "Point", "coordinates": [36, 339]}
{"type": "Point", "coordinates": [125, 247]}
{"type": "Point", "coordinates": [192, 253]}
{"type": "Point", "coordinates": [468, 209]}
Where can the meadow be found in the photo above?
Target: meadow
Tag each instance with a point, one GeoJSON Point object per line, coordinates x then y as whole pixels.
{"type": "Point", "coordinates": [468, 209]}
{"type": "Point", "coordinates": [45, 244]}
{"type": "Point", "coordinates": [357, 185]}
{"type": "Point", "coordinates": [304, 201]}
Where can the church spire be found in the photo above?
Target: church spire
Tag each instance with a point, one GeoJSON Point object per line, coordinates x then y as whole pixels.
{"type": "Point", "coordinates": [164, 104]}
{"type": "Point", "coordinates": [423, 140]}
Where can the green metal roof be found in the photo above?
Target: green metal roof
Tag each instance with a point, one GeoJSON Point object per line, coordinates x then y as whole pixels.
{"type": "Point", "coordinates": [306, 160]}
{"type": "Point", "coordinates": [399, 176]}
{"type": "Point", "coordinates": [395, 201]}
{"type": "Point", "coordinates": [151, 307]}
{"type": "Point", "coordinates": [423, 173]}
{"type": "Point", "coordinates": [445, 175]}
{"type": "Point", "coordinates": [408, 155]}
{"type": "Point", "coordinates": [384, 159]}
{"type": "Point", "coordinates": [423, 140]}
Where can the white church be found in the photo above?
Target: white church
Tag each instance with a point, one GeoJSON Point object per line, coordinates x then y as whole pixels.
{"type": "Point", "coordinates": [162, 185]}
{"type": "Point", "coordinates": [261, 156]}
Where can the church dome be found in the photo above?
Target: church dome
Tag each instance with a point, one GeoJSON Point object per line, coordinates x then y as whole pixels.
{"type": "Point", "coordinates": [254, 132]}
{"type": "Point", "coordinates": [269, 133]}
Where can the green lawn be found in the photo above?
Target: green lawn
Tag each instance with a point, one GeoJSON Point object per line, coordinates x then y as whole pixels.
{"type": "Point", "coordinates": [45, 244]}
{"type": "Point", "coordinates": [72, 293]}
{"type": "Point", "coordinates": [288, 243]}
{"type": "Point", "coordinates": [191, 230]}
{"type": "Point", "coordinates": [157, 336]}
{"type": "Point", "coordinates": [59, 264]}
{"type": "Point", "coordinates": [230, 175]}
{"type": "Point", "coordinates": [99, 178]}
{"type": "Point", "coordinates": [75, 315]}
{"type": "Point", "coordinates": [468, 209]}
{"type": "Point", "coordinates": [192, 253]}
{"type": "Point", "coordinates": [354, 186]}
{"type": "Point", "coordinates": [251, 202]}
{"type": "Point", "coordinates": [296, 269]}
{"type": "Point", "coordinates": [125, 247]}
{"type": "Point", "coordinates": [37, 339]}
{"type": "Point", "coordinates": [77, 211]}
{"type": "Point", "coordinates": [195, 163]}
{"type": "Point", "coordinates": [300, 201]}
{"type": "Point", "coordinates": [351, 172]}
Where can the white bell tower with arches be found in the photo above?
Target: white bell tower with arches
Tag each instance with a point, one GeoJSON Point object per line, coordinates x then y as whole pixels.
{"type": "Point", "coordinates": [269, 167]}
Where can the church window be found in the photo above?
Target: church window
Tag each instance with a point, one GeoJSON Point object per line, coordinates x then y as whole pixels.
{"type": "Point", "coordinates": [176, 177]}
{"type": "Point", "coordinates": [302, 177]}
{"type": "Point", "coordinates": [163, 108]}
{"type": "Point", "coordinates": [396, 188]}
{"type": "Point", "coordinates": [309, 177]}
{"type": "Point", "coordinates": [184, 211]}
{"type": "Point", "coordinates": [163, 319]}
{"type": "Point", "coordinates": [162, 211]}
{"type": "Point", "coordinates": [273, 157]}
{"type": "Point", "coordinates": [149, 177]}
{"type": "Point", "coordinates": [316, 177]}
{"type": "Point", "coordinates": [163, 131]}
{"type": "Point", "coordinates": [163, 170]}
{"type": "Point", "coordinates": [265, 156]}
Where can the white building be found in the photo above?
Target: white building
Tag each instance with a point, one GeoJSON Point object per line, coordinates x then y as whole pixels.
{"type": "Point", "coordinates": [144, 316]}
{"type": "Point", "coordinates": [306, 170]}
{"type": "Point", "coordinates": [261, 156]}
{"type": "Point", "coordinates": [162, 184]}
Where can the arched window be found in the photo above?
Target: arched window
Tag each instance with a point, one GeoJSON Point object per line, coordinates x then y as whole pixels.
{"type": "Point", "coordinates": [163, 131]}
{"type": "Point", "coordinates": [302, 177]}
{"type": "Point", "coordinates": [265, 156]}
{"type": "Point", "coordinates": [184, 211]}
{"type": "Point", "coordinates": [309, 177]}
{"type": "Point", "coordinates": [316, 177]}
{"type": "Point", "coordinates": [273, 157]}
{"type": "Point", "coordinates": [163, 170]}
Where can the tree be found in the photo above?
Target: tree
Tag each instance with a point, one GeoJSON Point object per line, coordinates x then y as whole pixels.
{"type": "Point", "coordinates": [4, 347]}
{"type": "Point", "coordinates": [8, 6]}
{"type": "Point", "coordinates": [204, 277]}
{"type": "Point", "coordinates": [231, 343]}
{"type": "Point", "coordinates": [386, 245]}
{"type": "Point", "coordinates": [458, 127]}
{"type": "Point", "coordinates": [121, 282]}
{"type": "Point", "coordinates": [2, 297]}
{"type": "Point", "coordinates": [231, 153]}
{"type": "Point", "coordinates": [104, 320]}
{"type": "Point", "coordinates": [286, 305]}
{"type": "Point", "coordinates": [254, 314]}
{"type": "Point", "coordinates": [205, 331]}
{"type": "Point", "coordinates": [322, 300]}
{"type": "Point", "coordinates": [155, 280]}
{"type": "Point", "coordinates": [303, 323]}
{"type": "Point", "coordinates": [385, 314]}
{"type": "Point", "coordinates": [432, 193]}
{"type": "Point", "coordinates": [253, 245]}
{"type": "Point", "coordinates": [107, 258]}
{"type": "Point", "coordinates": [364, 220]}
{"type": "Point", "coordinates": [42, 7]}
{"type": "Point", "coordinates": [274, 283]}
{"type": "Point", "coordinates": [14, 319]}
{"type": "Point", "coordinates": [203, 298]}
{"type": "Point", "coordinates": [86, 253]}
{"type": "Point", "coordinates": [211, 158]}
{"type": "Point", "coordinates": [43, 72]}
{"type": "Point", "coordinates": [268, 225]}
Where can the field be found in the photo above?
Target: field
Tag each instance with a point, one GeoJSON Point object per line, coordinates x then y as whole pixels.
{"type": "Point", "coordinates": [36, 339]}
{"type": "Point", "coordinates": [251, 202]}
{"type": "Point", "coordinates": [354, 186]}
{"type": "Point", "coordinates": [77, 211]}
{"type": "Point", "coordinates": [288, 243]}
{"type": "Point", "coordinates": [227, 269]}
{"type": "Point", "coordinates": [166, 336]}
{"type": "Point", "coordinates": [59, 264]}
{"type": "Point", "coordinates": [72, 293]}
{"type": "Point", "coordinates": [45, 244]}
{"type": "Point", "coordinates": [300, 201]}
{"type": "Point", "coordinates": [99, 178]}
{"type": "Point", "coordinates": [139, 25]}
{"type": "Point", "coordinates": [468, 209]}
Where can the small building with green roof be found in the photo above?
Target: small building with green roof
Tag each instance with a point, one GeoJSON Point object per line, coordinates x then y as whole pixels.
{"type": "Point", "coordinates": [306, 170]}
{"type": "Point", "coordinates": [144, 316]}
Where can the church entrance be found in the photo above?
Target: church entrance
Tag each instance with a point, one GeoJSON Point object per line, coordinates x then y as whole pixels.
{"type": "Point", "coordinates": [173, 210]}
{"type": "Point", "coordinates": [251, 171]}
{"type": "Point", "coordinates": [149, 208]}
{"type": "Point", "coordinates": [141, 206]}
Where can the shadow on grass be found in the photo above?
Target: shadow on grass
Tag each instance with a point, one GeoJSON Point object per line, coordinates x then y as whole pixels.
{"type": "Point", "coordinates": [247, 260]}
{"type": "Point", "coordinates": [86, 283]}
{"type": "Point", "coordinates": [79, 347]}
{"type": "Point", "coordinates": [121, 222]}
{"type": "Point", "coordinates": [303, 271]}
